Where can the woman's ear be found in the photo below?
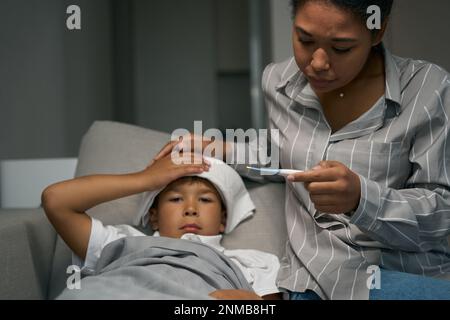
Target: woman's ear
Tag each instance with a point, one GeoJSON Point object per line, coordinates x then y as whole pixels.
{"type": "Point", "coordinates": [380, 34]}
{"type": "Point", "coordinates": [153, 212]}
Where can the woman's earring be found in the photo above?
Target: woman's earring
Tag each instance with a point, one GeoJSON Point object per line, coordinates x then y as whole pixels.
{"type": "Point", "coordinates": [341, 95]}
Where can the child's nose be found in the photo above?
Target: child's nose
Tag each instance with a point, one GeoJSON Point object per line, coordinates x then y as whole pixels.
{"type": "Point", "coordinates": [190, 211]}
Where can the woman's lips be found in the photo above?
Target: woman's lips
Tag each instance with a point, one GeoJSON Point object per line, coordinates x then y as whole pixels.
{"type": "Point", "coordinates": [320, 83]}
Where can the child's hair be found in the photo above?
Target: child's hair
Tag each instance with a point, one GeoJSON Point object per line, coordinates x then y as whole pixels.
{"type": "Point", "coordinates": [191, 180]}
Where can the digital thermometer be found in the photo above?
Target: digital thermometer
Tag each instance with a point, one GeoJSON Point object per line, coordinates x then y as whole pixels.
{"type": "Point", "coordinates": [280, 172]}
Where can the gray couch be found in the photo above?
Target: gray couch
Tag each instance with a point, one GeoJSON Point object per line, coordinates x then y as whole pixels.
{"type": "Point", "coordinates": [34, 260]}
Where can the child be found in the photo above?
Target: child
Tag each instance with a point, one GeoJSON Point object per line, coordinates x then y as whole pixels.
{"type": "Point", "coordinates": [199, 207]}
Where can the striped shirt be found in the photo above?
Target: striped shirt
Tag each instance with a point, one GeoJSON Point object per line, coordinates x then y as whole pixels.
{"type": "Point", "coordinates": [400, 151]}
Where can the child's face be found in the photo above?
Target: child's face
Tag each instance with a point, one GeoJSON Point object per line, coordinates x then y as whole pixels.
{"type": "Point", "coordinates": [188, 207]}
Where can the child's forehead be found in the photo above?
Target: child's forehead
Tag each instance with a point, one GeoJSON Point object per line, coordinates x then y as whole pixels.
{"type": "Point", "coordinates": [189, 182]}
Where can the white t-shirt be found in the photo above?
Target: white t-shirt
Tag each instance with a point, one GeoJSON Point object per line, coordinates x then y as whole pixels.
{"type": "Point", "coordinates": [259, 268]}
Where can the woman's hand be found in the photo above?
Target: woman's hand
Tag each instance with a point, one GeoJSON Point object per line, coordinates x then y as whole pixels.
{"type": "Point", "coordinates": [163, 171]}
{"type": "Point", "coordinates": [188, 144]}
{"type": "Point", "coordinates": [234, 294]}
{"type": "Point", "coordinates": [333, 187]}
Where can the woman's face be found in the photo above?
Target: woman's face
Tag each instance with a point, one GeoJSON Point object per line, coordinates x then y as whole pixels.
{"type": "Point", "coordinates": [331, 45]}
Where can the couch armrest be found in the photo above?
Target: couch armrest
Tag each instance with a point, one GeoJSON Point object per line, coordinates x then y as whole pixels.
{"type": "Point", "coordinates": [27, 245]}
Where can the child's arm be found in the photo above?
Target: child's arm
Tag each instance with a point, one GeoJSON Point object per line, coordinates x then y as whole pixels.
{"type": "Point", "coordinates": [65, 203]}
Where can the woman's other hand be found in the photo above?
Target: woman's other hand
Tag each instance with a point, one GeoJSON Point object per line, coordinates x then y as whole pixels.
{"type": "Point", "coordinates": [332, 186]}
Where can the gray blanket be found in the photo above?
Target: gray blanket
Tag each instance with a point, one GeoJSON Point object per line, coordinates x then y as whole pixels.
{"type": "Point", "coordinates": [158, 268]}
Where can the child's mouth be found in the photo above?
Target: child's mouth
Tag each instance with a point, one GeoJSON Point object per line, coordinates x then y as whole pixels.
{"type": "Point", "coordinates": [190, 227]}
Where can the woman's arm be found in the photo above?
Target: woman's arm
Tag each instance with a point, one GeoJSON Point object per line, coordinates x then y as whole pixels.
{"type": "Point", "coordinates": [65, 203]}
{"type": "Point", "coordinates": [417, 217]}
{"type": "Point", "coordinates": [414, 218]}
{"type": "Point", "coordinates": [260, 151]}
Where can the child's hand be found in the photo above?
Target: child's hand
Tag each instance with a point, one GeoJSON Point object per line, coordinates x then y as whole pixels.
{"type": "Point", "coordinates": [161, 172]}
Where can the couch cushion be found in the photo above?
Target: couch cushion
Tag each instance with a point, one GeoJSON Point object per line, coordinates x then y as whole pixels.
{"type": "Point", "coordinates": [266, 230]}
{"type": "Point", "coordinates": [27, 243]}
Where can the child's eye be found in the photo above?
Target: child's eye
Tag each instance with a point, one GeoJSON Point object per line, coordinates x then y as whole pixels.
{"type": "Point", "coordinates": [205, 199]}
{"type": "Point", "coordinates": [175, 199]}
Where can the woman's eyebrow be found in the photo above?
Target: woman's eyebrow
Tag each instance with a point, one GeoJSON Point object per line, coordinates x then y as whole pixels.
{"type": "Point", "coordinates": [306, 33]}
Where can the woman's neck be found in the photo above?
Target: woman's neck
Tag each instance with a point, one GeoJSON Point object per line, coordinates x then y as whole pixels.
{"type": "Point", "coordinates": [348, 103]}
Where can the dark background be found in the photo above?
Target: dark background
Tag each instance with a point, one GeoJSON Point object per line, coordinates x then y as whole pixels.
{"type": "Point", "coordinates": [156, 63]}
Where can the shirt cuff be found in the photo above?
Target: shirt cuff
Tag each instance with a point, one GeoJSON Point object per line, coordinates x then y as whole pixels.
{"type": "Point", "coordinates": [366, 214]}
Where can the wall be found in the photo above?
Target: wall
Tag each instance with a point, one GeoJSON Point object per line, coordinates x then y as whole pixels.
{"type": "Point", "coordinates": [159, 64]}
{"type": "Point", "coordinates": [53, 82]}
{"type": "Point", "coordinates": [420, 29]}
{"type": "Point", "coordinates": [174, 71]}
{"type": "Point", "coordinates": [281, 26]}
{"type": "Point", "coordinates": [155, 63]}
{"type": "Point", "coordinates": [88, 71]}
{"type": "Point", "coordinates": [31, 78]}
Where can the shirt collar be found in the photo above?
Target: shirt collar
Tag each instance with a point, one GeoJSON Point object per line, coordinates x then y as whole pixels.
{"type": "Point", "coordinates": [392, 71]}
{"type": "Point", "coordinates": [212, 241]}
{"type": "Point", "coordinates": [292, 77]}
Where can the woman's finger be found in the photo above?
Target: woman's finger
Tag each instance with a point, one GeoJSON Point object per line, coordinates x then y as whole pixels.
{"type": "Point", "coordinates": [320, 175]}
{"type": "Point", "coordinates": [323, 200]}
{"type": "Point", "coordinates": [323, 188]}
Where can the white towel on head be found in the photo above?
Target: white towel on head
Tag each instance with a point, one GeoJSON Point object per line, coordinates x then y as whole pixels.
{"type": "Point", "coordinates": [229, 184]}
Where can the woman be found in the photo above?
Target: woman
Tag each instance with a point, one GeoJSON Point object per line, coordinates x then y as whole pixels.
{"type": "Point", "coordinates": [370, 131]}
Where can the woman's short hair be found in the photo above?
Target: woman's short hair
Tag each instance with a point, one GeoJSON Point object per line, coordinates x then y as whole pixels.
{"type": "Point", "coordinates": [357, 7]}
